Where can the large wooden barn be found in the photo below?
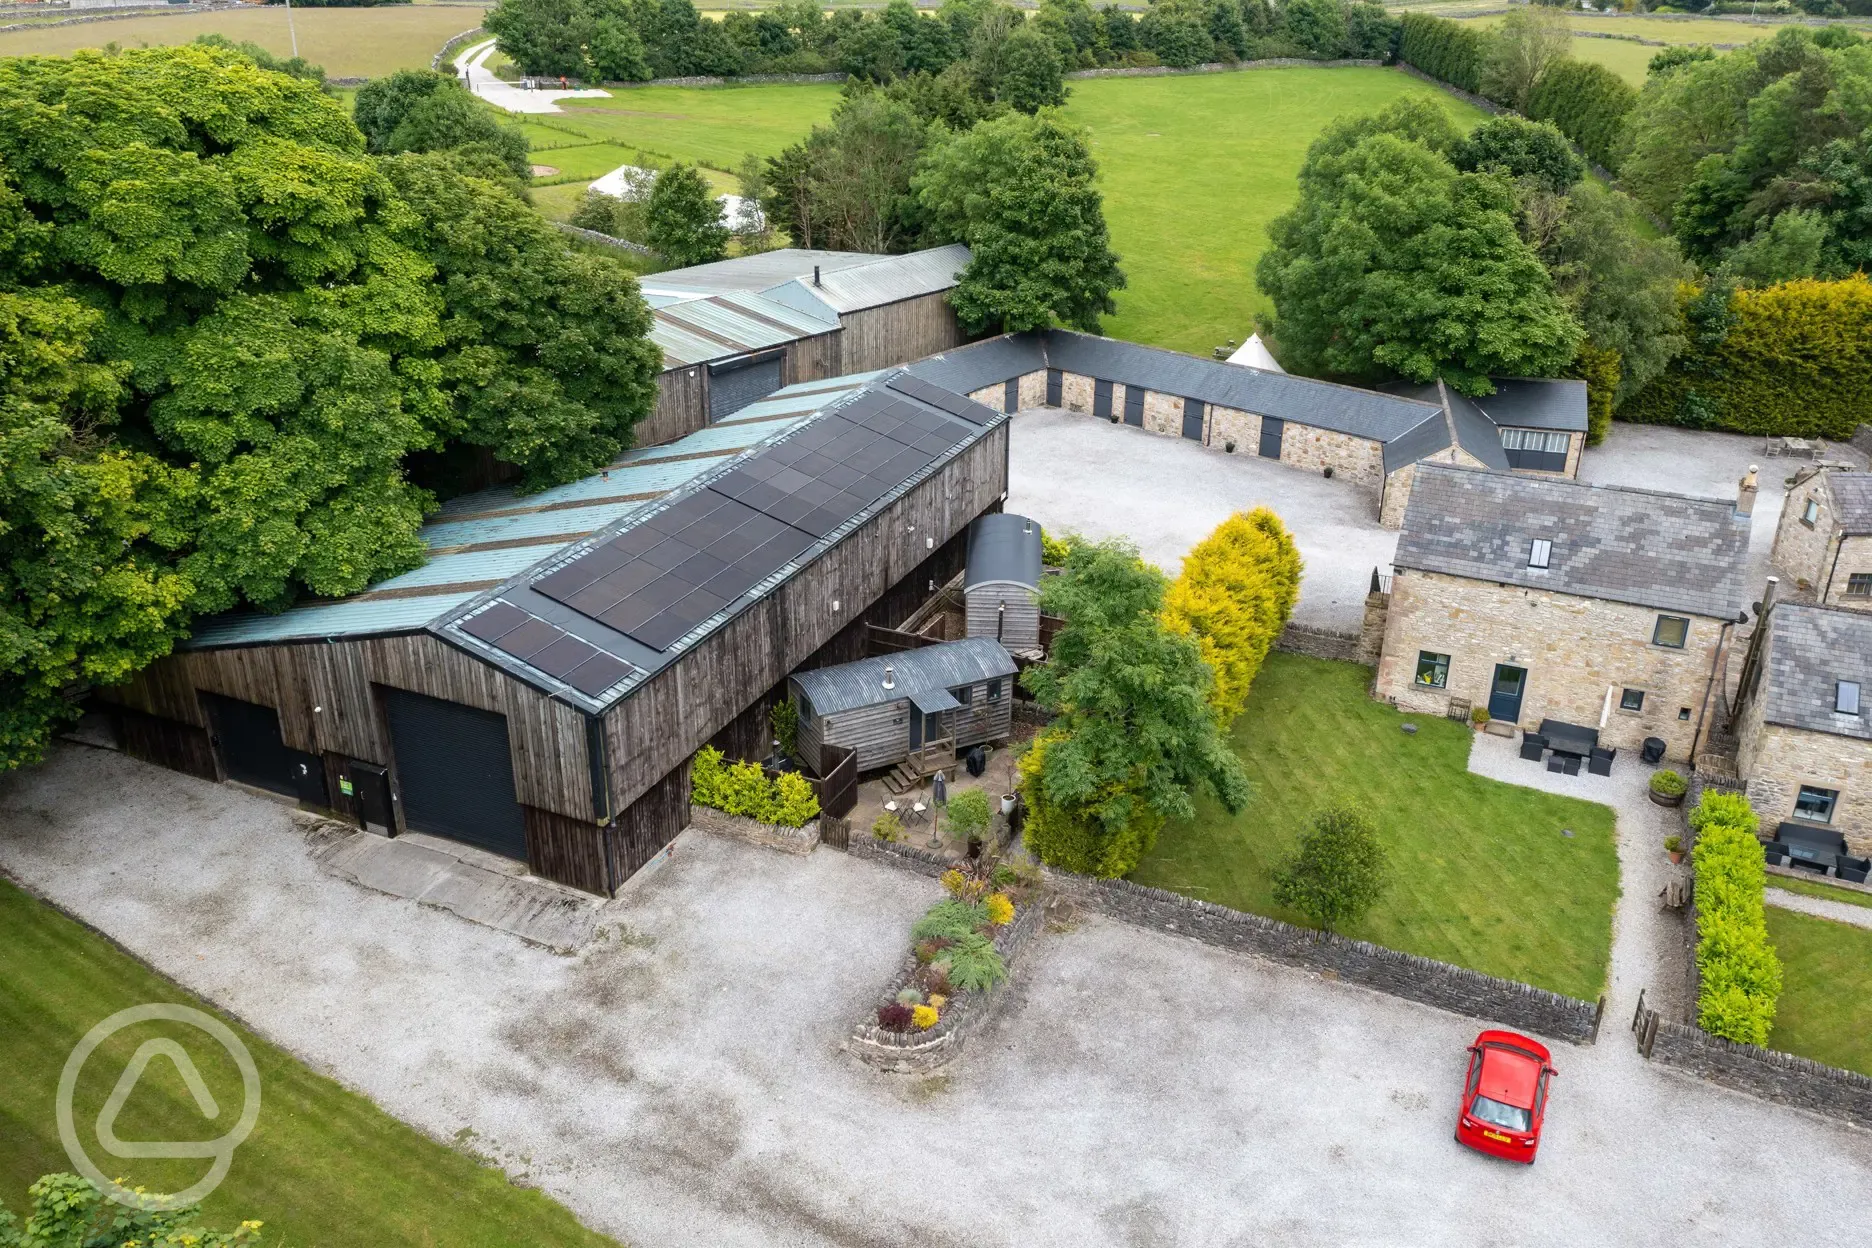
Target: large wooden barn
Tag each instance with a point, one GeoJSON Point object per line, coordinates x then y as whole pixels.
{"type": "Point", "coordinates": [538, 687]}
{"type": "Point", "coordinates": [735, 331]}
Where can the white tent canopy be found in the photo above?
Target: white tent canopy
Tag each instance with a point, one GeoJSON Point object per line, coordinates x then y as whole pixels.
{"type": "Point", "coordinates": [1254, 354]}
{"type": "Point", "coordinates": [631, 182]}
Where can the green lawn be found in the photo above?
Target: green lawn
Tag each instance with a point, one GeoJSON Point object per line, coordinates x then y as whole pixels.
{"type": "Point", "coordinates": [1193, 170]}
{"type": "Point", "coordinates": [1826, 988]}
{"type": "Point", "coordinates": [323, 1166]}
{"type": "Point", "coordinates": [714, 126]}
{"type": "Point", "coordinates": [1483, 874]}
{"type": "Point", "coordinates": [1814, 888]}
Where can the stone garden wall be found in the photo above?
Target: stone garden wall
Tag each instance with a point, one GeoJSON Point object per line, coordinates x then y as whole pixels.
{"type": "Point", "coordinates": [799, 840]}
{"type": "Point", "coordinates": [1319, 643]}
{"type": "Point", "coordinates": [1780, 1077]}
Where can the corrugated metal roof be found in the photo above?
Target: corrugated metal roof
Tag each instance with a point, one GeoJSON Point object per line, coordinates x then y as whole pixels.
{"type": "Point", "coordinates": [1810, 650]}
{"type": "Point", "coordinates": [1003, 548]}
{"type": "Point", "coordinates": [1624, 545]}
{"type": "Point", "coordinates": [488, 537]}
{"type": "Point", "coordinates": [886, 279]}
{"type": "Point", "coordinates": [718, 327]}
{"type": "Point", "coordinates": [946, 665]}
{"type": "Point", "coordinates": [755, 272]}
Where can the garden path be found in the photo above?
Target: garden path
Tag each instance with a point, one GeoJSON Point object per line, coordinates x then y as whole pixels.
{"type": "Point", "coordinates": [1820, 907]}
{"type": "Point", "coordinates": [502, 94]}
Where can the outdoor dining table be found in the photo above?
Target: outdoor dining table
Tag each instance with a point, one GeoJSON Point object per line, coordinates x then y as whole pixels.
{"type": "Point", "coordinates": [1816, 847]}
{"type": "Point", "coordinates": [1570, 740]}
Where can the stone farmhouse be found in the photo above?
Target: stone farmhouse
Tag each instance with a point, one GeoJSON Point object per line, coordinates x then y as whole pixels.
{"type": "Point", "coordinates": [1370, 438]}
{"type": "Point", "coordinates": [1823, 543]}
{"type": "Point", "coordinates": [1539, 597]}
{"type": "Point", "coordinates": [1803, 728]}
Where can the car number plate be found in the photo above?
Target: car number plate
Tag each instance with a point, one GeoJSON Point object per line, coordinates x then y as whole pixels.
{"type": "Point", "coordinates": [1498, 1137]}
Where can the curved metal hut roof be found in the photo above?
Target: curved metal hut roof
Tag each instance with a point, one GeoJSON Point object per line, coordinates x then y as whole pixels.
{"type": "Point", "coordinates": [1003, 549]}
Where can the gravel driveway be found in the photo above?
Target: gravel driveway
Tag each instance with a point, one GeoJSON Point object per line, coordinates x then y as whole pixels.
{"type": "Point", "coordinates": [681, 1082]}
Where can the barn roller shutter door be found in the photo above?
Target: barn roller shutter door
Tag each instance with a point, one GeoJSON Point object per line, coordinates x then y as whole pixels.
{"type": "Point", "coordinates": [253, 751]}
{"type": "Point", "coordinates": [734, 385]}
{"type": "Point", "coordinates": [454, 772]}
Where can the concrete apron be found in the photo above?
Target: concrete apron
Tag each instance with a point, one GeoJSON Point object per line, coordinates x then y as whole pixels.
{"type": "Point", "coordinates": [461, 880]}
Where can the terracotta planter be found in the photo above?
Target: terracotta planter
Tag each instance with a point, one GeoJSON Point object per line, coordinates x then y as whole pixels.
{"type": "Point", "coordinates": [1676, 856]}
{"type": "Point", "coordinates": [1666, 799]}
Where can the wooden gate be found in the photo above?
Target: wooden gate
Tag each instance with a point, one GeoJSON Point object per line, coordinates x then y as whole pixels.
{"type": "Point", "coordinates": [838, 791]}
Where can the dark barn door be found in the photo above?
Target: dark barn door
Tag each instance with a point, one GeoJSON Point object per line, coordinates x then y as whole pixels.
{"type": "Point", "coordinates": [1056, 385]}
{"type": "Point", "coordinates": [1506, 693]}
{"type": "Point", "coordinates": [1102, 399]}
{"type": "Point", "coordinates": [1271, 431]}
{"type": "Point", "coordinates": [1134, 406]}
{"type": "Point", "coordinates": [733, 386]}
{"type": "Point", "coordinates": [455, 772]}
{"type": "Point", "coordinates": [248, 738]}
{"type": "Point", "coordinates": [1193, 419]}
{"type": "Point", "coordinates": [1010, 395]}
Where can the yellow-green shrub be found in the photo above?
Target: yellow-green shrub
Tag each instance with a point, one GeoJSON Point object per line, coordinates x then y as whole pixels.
{"type": "Point", "coordinates": [1793, 360]}
{"type": "Point", "coordinates": [744, 789]}
{"type": "Point", "coordinates": [1235, 594]}
{"type": "Point", "coordinates": [1739, 976]}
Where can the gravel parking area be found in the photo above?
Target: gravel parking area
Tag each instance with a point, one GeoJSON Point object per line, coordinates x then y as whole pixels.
{"type": "Point", "coordinates": [680, 1081]}
{"type": "Point", "coordinates": [1073, 473]}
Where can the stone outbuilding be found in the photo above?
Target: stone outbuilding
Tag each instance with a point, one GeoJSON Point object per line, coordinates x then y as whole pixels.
{"type": "Point", "coordinates": [1372, 439]}
{"type": "Point", "coordinates": [1539, 597]}
{"type": "Point", "coordinates": [1823, 542]}
{"type": "Point", "coordinates": [1001, 581]}
{"type": "Point", "coordinates": [1802, 724]}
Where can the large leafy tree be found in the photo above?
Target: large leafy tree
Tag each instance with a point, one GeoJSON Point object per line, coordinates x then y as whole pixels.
{"type": "Point", "coordinates": [847, 185]}
{"type": "Point", "coordinates": [1528, 42]}
{"type": "Point", "coordinates": [683, 218]}
{"type": "Point", "coordinates": [1022, 193]}
{"type": "Point", "coordinates": [1234, 595]}
{"type": "Point", "coordinates": [545, 358]}
{"type": "Point", "coordinates": [418, 110]}
{"type": "Point", "coordinates": [1520, 148]}
{"type": "Point", "coordinates": [1394, 263]}
{"type": "Point", "coordinates": [1030, 72]}
{"type": "Point", "coordinates": [1132, 736]}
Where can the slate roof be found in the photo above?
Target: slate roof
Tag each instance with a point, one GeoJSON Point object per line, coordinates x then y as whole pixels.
{"type": "Point", "coordinates": [1465, 424]}
{"type": "Point", "coordinates": [946, 665]}
{"type": "Point", "coordinates": [1003, 548]}
{"type": "Point", "coordinates": [1536, 403]}
{"type": "Point", "coordinates": [1644, 547]}
{"type": "Point", "coordinates": [1852, 501]}
{"type": "Point", "coordinates": [1811, 649]}
{"type": "Point", "coordinates": [986, 363]}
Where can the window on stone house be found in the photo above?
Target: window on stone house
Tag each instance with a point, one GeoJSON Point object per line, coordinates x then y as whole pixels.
{"type": "Point", "coordinates": [1631, 700]}
{"type": "Point", "coordinates": [1846, 697]}
{"type": "Point", "coordinates": [1540, 550]}
{"type": "Point", "coordinates": [1432, 669]}
{"type": "Point", "coordinates": [1810, 514]}
{"type": "Point", "coordinates": [1815, 804]}
{"type": "Point", "coordinates": [1672, 631]}
{"type": "Point", "coordinates": [1859, 585]}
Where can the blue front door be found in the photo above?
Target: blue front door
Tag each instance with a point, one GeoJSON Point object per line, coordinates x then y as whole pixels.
{"type": "Point", "coordinates": [1505, 694]}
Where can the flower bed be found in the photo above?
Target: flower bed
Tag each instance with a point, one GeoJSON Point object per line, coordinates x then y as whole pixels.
{"type": "Point", "coordinates": [960, 956]}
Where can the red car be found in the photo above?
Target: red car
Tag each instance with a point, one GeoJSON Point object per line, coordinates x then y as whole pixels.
{"type": "Point", "coordinates": [1505, 1096]}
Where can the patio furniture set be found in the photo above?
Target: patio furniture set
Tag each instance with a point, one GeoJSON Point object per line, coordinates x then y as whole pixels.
{"type": "Point", "coordinates": [1820, 850]}
{"type": "Point", "coordinates": [1566, 747]}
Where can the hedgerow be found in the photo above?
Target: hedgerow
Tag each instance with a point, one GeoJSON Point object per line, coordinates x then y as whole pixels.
{"type": "Point", "coordinates": [1589, 103]}
{"type": "Point", "coordinates": [1236, 591]}
{"type": "Point", "coordinates": [1739, 976]}
{"type": "Point", "coordinates": [1450, 51]}
{"type": "Point", "coordinates": [1793, 360]}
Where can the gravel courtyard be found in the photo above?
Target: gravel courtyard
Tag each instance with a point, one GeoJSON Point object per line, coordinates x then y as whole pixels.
{"type": "Point", "coordinates": [680, 1082]}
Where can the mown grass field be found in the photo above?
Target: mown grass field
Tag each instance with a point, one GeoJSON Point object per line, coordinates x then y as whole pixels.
{"type": "Point", "coordinates": [1814, 888]}
{"type": "Point", "coordinates": [323, 1166]}
{"type": "Point", "coordinates": [1826, 970]}
{"type": "Point", "coordinates": [1630, 60]}
{"type": "Point", "coordinates": [349, 43]}
{"type": "Point", "coordinates": [1483, 873]}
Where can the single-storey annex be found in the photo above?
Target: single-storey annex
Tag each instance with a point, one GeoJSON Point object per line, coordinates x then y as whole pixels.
{"type": "Point", "coordinates": [539, 686]}
{"type": "Point", "coordinates": [948, 696]}
{"type": "Point", "coordinates": [737, 330]}
{"type": "Point", "coordinates": [1371, 438]}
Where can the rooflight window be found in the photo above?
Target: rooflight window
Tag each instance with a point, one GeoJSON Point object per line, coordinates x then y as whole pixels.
{"type": "Point", "coordinates": [1846, 697]}
{"type": "Point", "coordinates": [1539, 552]}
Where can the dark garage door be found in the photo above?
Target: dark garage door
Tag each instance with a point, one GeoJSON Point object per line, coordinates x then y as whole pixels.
{"type": "Point", "coordinates": [248, 739]}
{"type": "Point", "coordinates": [733, 386]}
{"type": "Point", "coordinates": [454, 772]}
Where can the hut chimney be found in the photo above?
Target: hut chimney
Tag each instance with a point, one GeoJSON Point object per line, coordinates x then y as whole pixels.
{"type": "Point", "coordinates": [1746, 491]}
{"type": "Point", "coordinates": [1000, 619]}
{"type": "Point", "coordinates": [890, 677]}
{"type": "Point", "coordinates": [815, 275]}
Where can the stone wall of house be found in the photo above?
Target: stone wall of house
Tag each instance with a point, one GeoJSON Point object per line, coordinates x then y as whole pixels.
{"type": "Point", "coordinates": [1031, 393]}
{"type": "Point", "coordinates": [1318, 643]}
{"type": "Point", "coordinates": [1396, 497]}
{"type": "Point", "coordinates": [1163, 413]}
{"type": "Point", "coordinates": [1575, 449]}
{"type": "Point", "coordinates": [1227, 425]}
{"type": "Point", "coordinates": [1573, 649]}
{"type": "Point", "coordinates": [1372, 628]}
{"type": "Point", "coordinates": [1358, 460]}
{"type": "Point", "coordinates": [1849, 555]}
{"type": "Point", "coordinates": [1076, 392]}
{"type": "Point", "coordinates": [1775, 761]}
{"type": "Point", "coordinates": [1801, 549]}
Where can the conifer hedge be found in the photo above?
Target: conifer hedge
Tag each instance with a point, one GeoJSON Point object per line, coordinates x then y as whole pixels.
{"type": "Point", "coordinates": [1589, 103]}
{"type": "Point", "coordinates": [1793, 360]}
{"type": "Point", "coordinates": [1236, 591]}
{"type": "Point", "coordinates": [1450, 51]}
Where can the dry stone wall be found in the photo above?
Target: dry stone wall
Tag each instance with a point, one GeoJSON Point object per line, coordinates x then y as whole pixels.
{"type": "Point", "coordinates": [1780, 1077]}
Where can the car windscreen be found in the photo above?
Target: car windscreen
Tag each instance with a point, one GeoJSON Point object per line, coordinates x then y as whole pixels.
{"type": "Point", "coordinates": [1497, 1114]}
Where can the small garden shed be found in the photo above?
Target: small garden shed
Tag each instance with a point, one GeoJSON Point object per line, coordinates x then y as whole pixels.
{"type": "Point", "coordinates": [940, 698]}
{"type": "Point", "coordinates": [1002, 582]}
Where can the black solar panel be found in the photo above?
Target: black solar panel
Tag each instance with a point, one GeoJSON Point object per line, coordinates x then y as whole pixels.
{"type": "Point", "coordinates": [630, 614]}
{"type": "Point", "coordinates": [667, 553]}
{"type": "Point", "coordinates": [498, 620]}
{"type": "Point", "coordinates": [731, 582]}
{"type": "Point", "coordinates": [698, 568]}
{"type": "Point", "coordinates": [560, 658]}
{"type": "Point", "coordinates": [530, 638]}
{"type": "Point", "coordinates": [663, 631]}
{"type": "Point", "coordinates": [597, 674]}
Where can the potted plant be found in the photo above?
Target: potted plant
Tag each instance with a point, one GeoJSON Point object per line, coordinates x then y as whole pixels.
{"type": "Point", "coordinates": [1673, 845]}
{"type": "Point", "coordinates": [1479, 716]}
{"type": "Point", "coordinates": [1667, 787]}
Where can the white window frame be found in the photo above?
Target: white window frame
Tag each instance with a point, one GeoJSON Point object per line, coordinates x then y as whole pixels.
{"type": "Point", "coordinates": [1810, 514]}
{"type": "Point", "coordinates": [1846, 697]}
{"type": "Point", "coordinates": [1540, 553]}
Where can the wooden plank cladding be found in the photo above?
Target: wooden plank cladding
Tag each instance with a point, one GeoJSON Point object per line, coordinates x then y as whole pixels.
{"type": "Point", "coordinates": [687, 703]}
{"type": "Point", "coordinates": [895, 333]}
{"type": "Point", "coordinates": [167, 743]}
{"type": "Point", "coordinates": [571, 851]}
{"type": "Point", "coordinates": [649, 823]}
{"type": "Point", "coordinates": [682, 405]}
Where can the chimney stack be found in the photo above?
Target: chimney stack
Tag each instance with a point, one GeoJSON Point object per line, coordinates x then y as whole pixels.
{"type": "Point", "coordinates": [815, 275]}
{"type": "Point", "coordinates": [1768, 598]}
{"type": "Point", "coordinates": [1746, 491]}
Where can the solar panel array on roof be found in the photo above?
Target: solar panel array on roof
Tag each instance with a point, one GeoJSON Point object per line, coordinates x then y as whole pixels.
{"type": "Point", "coordinates": [547, 647]}
{"type": "Point", "coordinates": [658, 580]}
{"type": "Point", "coordinates": [951, 402]}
